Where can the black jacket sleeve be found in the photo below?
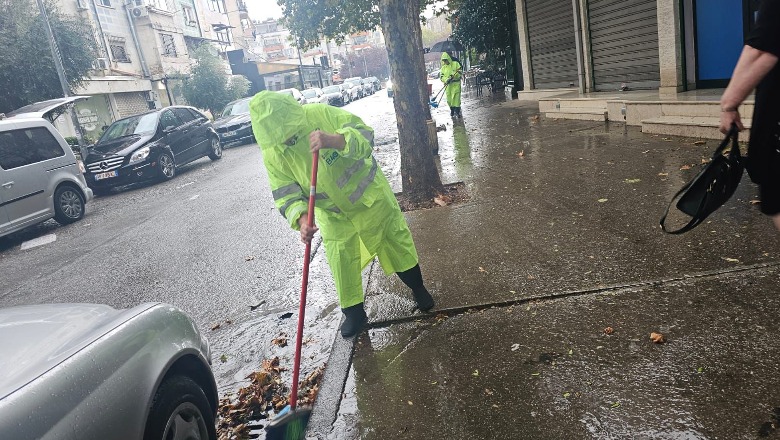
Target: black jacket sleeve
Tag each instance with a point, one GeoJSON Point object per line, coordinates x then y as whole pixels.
{"type": "Point", "coordinates": [766, 36]}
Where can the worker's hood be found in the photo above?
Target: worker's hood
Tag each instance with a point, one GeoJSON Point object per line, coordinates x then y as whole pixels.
{"type": "Point", "coordinates": [276, 117]}
{"type": "Point", "coordinates": [446, 57]}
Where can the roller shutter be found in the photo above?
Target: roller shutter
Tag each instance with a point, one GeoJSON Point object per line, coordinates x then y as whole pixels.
{"type": "Point", "coordinates": [624, 43]}
{"type": "Point", "coordinates": [552, 45]}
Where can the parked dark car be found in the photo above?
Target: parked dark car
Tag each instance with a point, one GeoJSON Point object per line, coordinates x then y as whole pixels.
{"type": "Point", "coordinates": [150, 145]}
{"type": "Point", "coordinates": [234, 126]}
{"type": "Point", "coordinates": [336, 95]}
{"type": "Point", "coordinates": [374, 81]}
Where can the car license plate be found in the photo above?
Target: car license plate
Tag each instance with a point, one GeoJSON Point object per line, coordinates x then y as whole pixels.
{"type": "Point", "coordinates": [106, 175]}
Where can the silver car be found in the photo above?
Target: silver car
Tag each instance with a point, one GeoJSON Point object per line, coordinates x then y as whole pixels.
{"type": "Point", "coordinates": [40, 177]}
{"type": "Point", "coordinates": [86, 371]}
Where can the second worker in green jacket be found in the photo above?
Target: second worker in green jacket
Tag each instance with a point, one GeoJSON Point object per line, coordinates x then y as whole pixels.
{"type": "Point", "coordinates": [356, 211]}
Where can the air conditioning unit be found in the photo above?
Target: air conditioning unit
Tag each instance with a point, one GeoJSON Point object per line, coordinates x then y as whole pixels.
{"type": "Point", "coordinates": [140, 11]}
{"type": "Point", "coordinates": [100, 64]}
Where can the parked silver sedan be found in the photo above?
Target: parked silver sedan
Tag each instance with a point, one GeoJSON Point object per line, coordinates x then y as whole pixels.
{"type": "Point", "coordinates": [86, 371]}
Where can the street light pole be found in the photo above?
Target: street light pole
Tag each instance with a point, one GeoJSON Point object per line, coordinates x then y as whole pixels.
{"type": "Point", "coordinates": [55, 53]}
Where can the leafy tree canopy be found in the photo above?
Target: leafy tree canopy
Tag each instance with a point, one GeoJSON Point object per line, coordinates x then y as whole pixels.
{"type": "Point", "coordinates": [482, 25]}
{"type": "Point", "coordinates": [209, 85]}
{"type": "Point", "coordinates": [27, 72]}
{"type": "Point", "coordinates": [310, 20]}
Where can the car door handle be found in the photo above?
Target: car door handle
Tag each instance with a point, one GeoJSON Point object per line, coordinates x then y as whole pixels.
{"type": "Point", "coordinates": [8, 185]}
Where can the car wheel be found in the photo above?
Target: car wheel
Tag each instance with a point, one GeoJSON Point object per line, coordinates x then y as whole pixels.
{"type": "Point", "coordinates": [216, 149]}
{"type": "Point", "coordinates": [68, 205]}
{"type": "Point", "coordinates": [180, 410]}
{"type": "Point", "coordinates": [167, 166]}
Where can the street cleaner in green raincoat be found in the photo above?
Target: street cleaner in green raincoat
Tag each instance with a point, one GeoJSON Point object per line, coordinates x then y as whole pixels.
{"type": "Point", "coordinates": [450, 74]}
{"type": "Point", "coordinates": [356, 211]}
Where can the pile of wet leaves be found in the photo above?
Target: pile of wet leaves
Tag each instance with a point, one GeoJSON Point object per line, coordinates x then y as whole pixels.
{"type": "Point", "coordinates": [266, 394]}
{"type": "Point", "coordinates": [452, 194]}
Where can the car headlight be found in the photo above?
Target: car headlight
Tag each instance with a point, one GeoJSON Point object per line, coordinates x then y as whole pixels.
{"type": "Point", "coordinates": [140, 155]}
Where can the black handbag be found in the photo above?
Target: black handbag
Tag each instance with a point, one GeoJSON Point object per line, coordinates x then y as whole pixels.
{"type": "Point", "coordinates": [712, 187]}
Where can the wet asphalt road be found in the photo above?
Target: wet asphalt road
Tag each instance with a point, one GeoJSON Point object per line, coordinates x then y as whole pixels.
{"type": "Point", "coordinates": [209, 242]}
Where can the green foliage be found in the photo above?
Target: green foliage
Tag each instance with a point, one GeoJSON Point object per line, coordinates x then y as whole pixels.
{"type": "Point", "coordinates": [311, 20]}
{"type": "Point", "coordinates": [483, 25]}
{"type": "Point", "coordinates": [209, 85]}
{"type": "Point", "coordinates": [27, 72]}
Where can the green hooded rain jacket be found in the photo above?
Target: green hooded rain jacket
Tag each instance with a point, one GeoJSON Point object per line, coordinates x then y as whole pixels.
{"type": "Point", "coordinates": [452, 71]}
{"type": "Point", "coordinates": [355, 209]}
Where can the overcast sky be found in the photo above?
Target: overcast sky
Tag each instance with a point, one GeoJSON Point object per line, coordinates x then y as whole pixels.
{"type": "Point", "coordinates": [263, 9]}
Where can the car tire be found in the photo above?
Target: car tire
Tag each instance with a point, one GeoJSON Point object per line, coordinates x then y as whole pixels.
{"type": "Point", "coordinates": [69, 204]}
{"type": "Point", "coordinates": [216, 149]}
{"type": "Point", "coordinates": [167, 166]}
{"type": "Point", "coordinates": [180, 405]}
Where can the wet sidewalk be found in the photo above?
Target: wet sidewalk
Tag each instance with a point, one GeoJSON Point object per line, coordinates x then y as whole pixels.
{"type": "Point", "coordinates": [549, 282]}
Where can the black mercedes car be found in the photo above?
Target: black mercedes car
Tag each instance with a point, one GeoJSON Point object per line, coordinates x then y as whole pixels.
{"type": "Point", "coordinates": [234, 125]}
{"type": "Point", "coordinates": [150, 145]}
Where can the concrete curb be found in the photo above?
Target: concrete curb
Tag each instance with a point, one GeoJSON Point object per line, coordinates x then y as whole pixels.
{"type": "Point", "coordinates": [326, 407]}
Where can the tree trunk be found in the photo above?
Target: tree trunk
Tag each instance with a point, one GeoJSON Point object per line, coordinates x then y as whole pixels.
{"type": "Point", "coordinates": [403, 36]}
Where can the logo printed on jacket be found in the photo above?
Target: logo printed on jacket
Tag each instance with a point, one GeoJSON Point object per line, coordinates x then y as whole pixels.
{"type": "Point", "coordinates": [332, 157]}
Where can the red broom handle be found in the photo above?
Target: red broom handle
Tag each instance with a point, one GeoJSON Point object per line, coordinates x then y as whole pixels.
{"type": "Point", "coordinates": [304, 286]}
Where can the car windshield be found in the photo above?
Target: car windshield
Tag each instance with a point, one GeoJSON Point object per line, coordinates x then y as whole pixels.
{"type": "Point", "coordinates": [309, 93]}
{"type": "Point", "coordinates": [141, 124]}
{"type": "Point", "coordinates": [236, 108]}
{"type": "Point", "coordinates": [332, 89]}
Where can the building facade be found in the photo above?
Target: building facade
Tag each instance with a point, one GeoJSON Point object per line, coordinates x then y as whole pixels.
{"type": "Point", "coordinates": [610, 45]}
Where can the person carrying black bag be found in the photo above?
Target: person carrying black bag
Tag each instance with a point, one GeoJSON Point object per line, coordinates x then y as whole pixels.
{"type": "Point", "coordinates": [758, 69]}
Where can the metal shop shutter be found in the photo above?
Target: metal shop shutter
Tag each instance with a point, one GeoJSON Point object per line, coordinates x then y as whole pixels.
{"type": "Point", "coordinates": [624, 44]}
{"type": "Point", "coordinates": [552, 45]}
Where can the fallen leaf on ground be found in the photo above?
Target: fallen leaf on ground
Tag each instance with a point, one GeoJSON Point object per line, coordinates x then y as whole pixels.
{"type": "Point", "coordinates": [489, 392]}
{"type": "Point", "coordinates": [616, 405]}
{"type": "Point", "coordinates": [410, 402]}
{"type": "Point", "coordinates": [475, 373]}
{"type": "Point", "coordinates": [215, 326]}
{"type": "Point", "coordinates": [657, 338]}
{"type": "Point", "coordinates": [515, 347]}
{"type": "Point", "coordinates": [731, 260]}
{"type": "Point", "coordinates": [633, 180]}
{"type": "Point", "coordinates": [531, 277]}
{"type": "Point", "coordinates": [280, 341]}
{"type": "Point", "coordinates": [439, 201]}
{"type": "Point", "coordinates": [609, 331]}
{"type": "Point", "coordinates": [646, 151]}
{"type": "Point", "coordinates": [249, 258]}
{"type": "Point", "coordinates": [223, 358]}
{"type": "Point", "coordinates": [603, 200]}
{"type": "Point", "coordinates": [482, 269]}
{"type": "Point", "coordinates": [685, 167]}
{"type": "Point", "coordinates": [521, 153]}
{"type": "Point", "coordinates": [700, 143]}
{"type": "Point", "coordinates": [755, 202]}
{"type": "Point", "coordinates": [663, 174]}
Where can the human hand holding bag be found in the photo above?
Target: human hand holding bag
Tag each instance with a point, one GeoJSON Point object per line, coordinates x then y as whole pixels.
{"type": "Point", "coordinates": [712, 187]}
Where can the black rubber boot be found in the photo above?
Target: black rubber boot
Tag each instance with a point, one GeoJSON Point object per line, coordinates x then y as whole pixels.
{"type": "Point", "coordinates": [413, 279]}
{"type": "Point", "coordinates": [355, 319]}
{"type": "Point", "coordinates": [423, 299]}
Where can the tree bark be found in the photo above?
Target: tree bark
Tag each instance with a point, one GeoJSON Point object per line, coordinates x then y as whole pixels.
{"type": "Point", "coordinates": [403, 37]}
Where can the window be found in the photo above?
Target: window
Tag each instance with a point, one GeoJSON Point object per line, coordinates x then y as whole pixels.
{"type": "Point", "coordinates": [118, 49]}
{"type": "Point", "coordinates": [27, 146]}
{"type": "Point", "coordinates": [168, 45]}
{"type": "Point", "coordinates": [168, 119]}
{"type": "Point", "coordinates": [159, 4]}
{"type": "Point", "coordinates": [183, 114]}
{"type": "Point", "coordinates": [224, 36]}
{"type": "Point", "coordinates": [198, 115]}
{"type": "Point", "coordinates": [217, 6]}
{"type": "Point", "coordinates": [106, 3]}
{"type": "Point", "coordinates": [189, 16]}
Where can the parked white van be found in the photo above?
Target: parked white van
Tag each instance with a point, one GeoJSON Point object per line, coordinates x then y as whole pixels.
{"type": "Point", "coordinates": [40, 177]}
